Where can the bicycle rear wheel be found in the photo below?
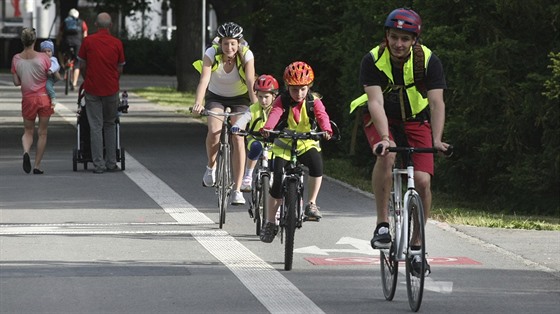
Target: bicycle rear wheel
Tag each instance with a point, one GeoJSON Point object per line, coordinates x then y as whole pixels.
{"type": "Point", "coordinates": [389, 262]}
{"type": "Point", "coordinates": [290, 227]}
{"type": "Point", "coordinates": [261, 204]}
{"type": "Point", "coordinates": [415, 278]}
{"type": "Point", "coordinates": [67, 79]}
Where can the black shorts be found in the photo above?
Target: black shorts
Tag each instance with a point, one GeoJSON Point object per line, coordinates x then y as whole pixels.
{"type": "Point", "coordinates": [237, 103]}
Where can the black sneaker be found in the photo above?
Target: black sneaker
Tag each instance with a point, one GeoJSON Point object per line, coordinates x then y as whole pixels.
{"type": "Point", "coordinates": [26, 163]}
{"type": "Point", "coordinates": [416, 264]}
{"type": "Point", "coordinates": [381, 236]}
{"type": "Point", "coordinates": [268, 232]}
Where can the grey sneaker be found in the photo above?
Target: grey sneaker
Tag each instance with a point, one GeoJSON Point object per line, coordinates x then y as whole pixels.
{"type": "Point", "coordinates": [312, 211]}
{"type": "Point", "coordinates": [268, 232]}
{"type": "Point", "coordinates": [237, 198]}
{"type": "Point", "coordinates": [209, 178]}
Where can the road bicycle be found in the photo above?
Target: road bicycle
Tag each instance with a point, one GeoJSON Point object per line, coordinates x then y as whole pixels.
{"type": "Point", "coordinates": [224, 182]}
{"type": "Point", "coordinates": [291, 208]}
{"type": "Point", "coordinates": [69, 60]}
{"type": "Point", "coordinates": [258, 206]}
{"type": "Point", "coordinates": [407, 229]}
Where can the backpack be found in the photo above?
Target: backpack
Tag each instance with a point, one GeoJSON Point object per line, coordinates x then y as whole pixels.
{"type": "Point", "coordinates": [72, 26]}
{"type": "Point", "coordinates": [286, 105]}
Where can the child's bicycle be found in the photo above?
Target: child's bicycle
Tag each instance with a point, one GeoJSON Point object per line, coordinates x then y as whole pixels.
{"type": "Point", "coordinates": [291, 210]}
{"type": "Point", "coordinates": [258, 207]}
{"type": "Point", "coordinates": [406, 225]}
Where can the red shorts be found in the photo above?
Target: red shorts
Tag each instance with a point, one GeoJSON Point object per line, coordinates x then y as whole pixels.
{"type": "Point", "coordinates": [418, 134]}
{"type": "Point", "coordinates": [33, 106]}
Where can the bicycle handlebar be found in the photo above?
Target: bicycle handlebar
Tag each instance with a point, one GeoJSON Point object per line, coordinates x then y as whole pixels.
{"type": "Point", "coordinates": [226, 113]}
{"type": "Point", "coordinates": [297, 135]}
{"type": "Point", "coordinates": [427, 150]}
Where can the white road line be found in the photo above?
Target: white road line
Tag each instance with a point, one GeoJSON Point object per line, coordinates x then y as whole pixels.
{"type": "Point", "coordinates": [272, 289]}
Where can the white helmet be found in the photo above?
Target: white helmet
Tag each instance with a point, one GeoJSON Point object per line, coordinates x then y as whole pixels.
{"type": "Point", "coordinates": [74, 13]}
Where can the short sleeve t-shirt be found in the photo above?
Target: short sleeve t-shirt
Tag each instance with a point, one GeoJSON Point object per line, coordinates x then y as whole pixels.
{"type": "Point", "coordinates": [226, 84]}
{"type": "Point", "coordinates": [103, 54]}
{"type": "Point", "coordinates": [32, 73]}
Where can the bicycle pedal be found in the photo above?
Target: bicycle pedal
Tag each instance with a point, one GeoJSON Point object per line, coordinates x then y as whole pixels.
{"type": "Point", "coordinates": [308, 218]}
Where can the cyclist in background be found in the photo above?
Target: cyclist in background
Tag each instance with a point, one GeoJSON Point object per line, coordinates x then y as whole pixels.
{"type": "Point", "coordinates": [226, 72]}
{"type": "Point", "coordinates": [266, 87]}
{"type": "Point", "coordinates": [397, 109]}
{"type": "Point", "coordinates": [298, 77]}
{"type": "Point", "coordinates": [72, 32]}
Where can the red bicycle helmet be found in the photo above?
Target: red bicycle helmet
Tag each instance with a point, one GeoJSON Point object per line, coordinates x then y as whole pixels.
{"type": "Point", "coordinates": [298, 73]}
{"type": "Point", "coordinates": [266, 83]}
{"type": "Point", "coordinates": [404, 19]}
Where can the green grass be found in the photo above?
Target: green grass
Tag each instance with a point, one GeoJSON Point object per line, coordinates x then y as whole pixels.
{"type": "Point", "coordinates": [443, 209]}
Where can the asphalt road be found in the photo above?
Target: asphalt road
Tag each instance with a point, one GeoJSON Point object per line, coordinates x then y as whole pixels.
{"type": "Point", "coordinates": [145, 240]}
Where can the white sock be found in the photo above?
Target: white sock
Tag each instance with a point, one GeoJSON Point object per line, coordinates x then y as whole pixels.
{"type": "Point", "coordinates": [249, 172]}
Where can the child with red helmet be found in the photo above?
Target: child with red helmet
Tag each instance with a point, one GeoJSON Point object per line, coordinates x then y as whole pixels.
{"type": "Point", "coordinates": [266, 88]}
{"type": "Point", "coordinates": [298, 77]}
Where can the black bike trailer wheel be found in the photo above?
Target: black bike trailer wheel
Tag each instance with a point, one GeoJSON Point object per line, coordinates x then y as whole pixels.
{"type": "Point", "coordinates": [75, 159]}
{"type": "Point", "coordinates": [122, 158]}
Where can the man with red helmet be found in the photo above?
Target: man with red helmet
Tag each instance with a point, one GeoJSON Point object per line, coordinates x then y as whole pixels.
{"type": "Point", "coordinates": [298, 77]}
{"type": "Point", "coordinates": [398, 109]}
{"type": "Point", "coordinates": [266, 88]}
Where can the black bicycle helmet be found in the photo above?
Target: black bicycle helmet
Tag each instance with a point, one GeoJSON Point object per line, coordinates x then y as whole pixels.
{"type": "Point", "coordinates": [230, 30]}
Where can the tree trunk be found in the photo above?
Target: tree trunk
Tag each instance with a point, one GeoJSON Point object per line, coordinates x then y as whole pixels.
{"type": "Point", "coordinates": [188, 18]}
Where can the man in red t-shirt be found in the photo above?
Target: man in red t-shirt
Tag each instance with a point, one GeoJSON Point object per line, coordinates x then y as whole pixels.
{"type": "Point", "coordinates": [101, 63]}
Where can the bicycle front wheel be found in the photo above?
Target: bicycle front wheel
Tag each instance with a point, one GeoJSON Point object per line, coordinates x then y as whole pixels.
{"type": "Point", "coordinates": [290, 227]}
{"type": "Point", "coordinates": [222, 184]}
{"type": "Point", "coordinates": [415, 274]}
{"type": "Point", "coordinates": [389, 262]}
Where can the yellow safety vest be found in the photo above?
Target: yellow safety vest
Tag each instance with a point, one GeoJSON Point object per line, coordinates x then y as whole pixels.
{"type": "Point", "coordinates": [218, 58]}
{"type": "Point", "coordinates": [415, 99]}
{"type": "Point", "coordinates": [282, 146]}
{"type": "Point", "coordinates": [257, 112]}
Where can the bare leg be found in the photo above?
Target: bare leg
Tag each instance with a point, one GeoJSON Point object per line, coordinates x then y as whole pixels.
{"type": "Point", "coordinates": [42, 140]}
{"type": "Point", "coordinates": [273, 205]}
{"type": "Point", "coordinates": [76, 76]}
{"type": "Point", "coordinates": [314, 187]}
{"type": "Point", "coordinates": [213, 139]}
{"type": "Point", "coordinates": [238, 160]}
{"type": "Point", "coordinates": [422, 182]}
{"type": "Point", "coordinates": [381, 181]}
{"type": "Point", "coordinates": [27, 138]}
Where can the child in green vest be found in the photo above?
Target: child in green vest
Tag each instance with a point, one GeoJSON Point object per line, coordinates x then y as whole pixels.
{"type": "Point", "coordinates": [266, 87]}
